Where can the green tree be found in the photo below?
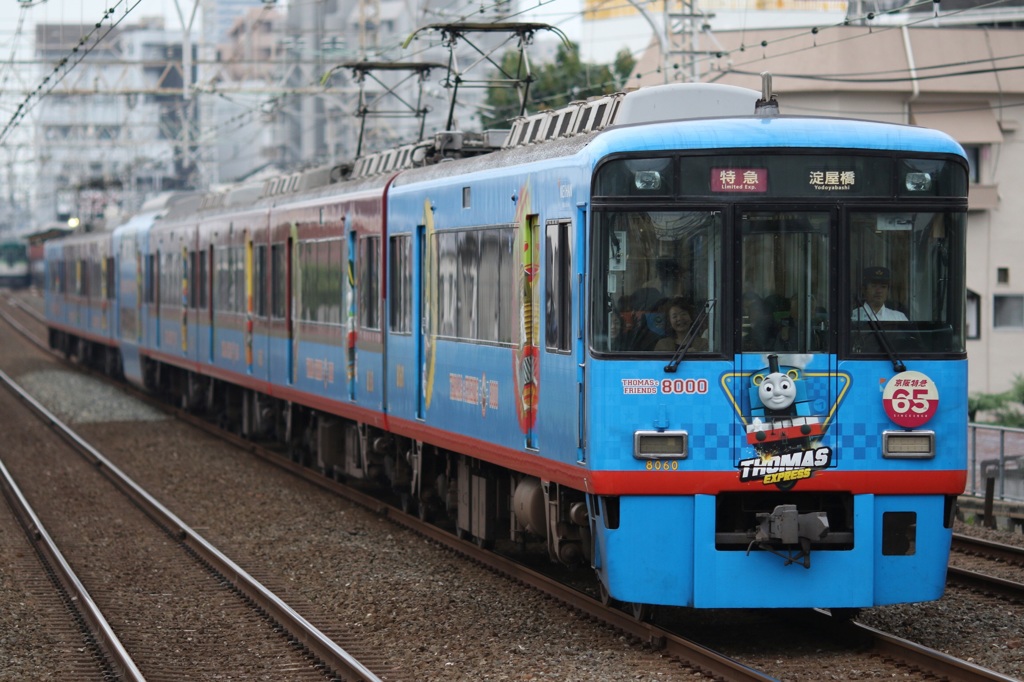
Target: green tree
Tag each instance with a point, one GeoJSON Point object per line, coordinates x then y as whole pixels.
{"type": "Point", "coordinates": [556, 84]}
{"type": "Point", "coordinates": [1003, 409]}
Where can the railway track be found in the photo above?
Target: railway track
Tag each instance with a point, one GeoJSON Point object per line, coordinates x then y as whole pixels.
{"type": "Point", "coordinates": [988, 567]}
{"type": "Point", "coordinates": [902, 654]}
{"type": "Point", "coordinates": [156, 591]}
{"type": "Point", "coordinates": [50, 611]}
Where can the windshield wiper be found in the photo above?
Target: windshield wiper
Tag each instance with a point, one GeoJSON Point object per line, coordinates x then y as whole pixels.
{"type": "Point", "coordinates": [883, 338]}
{"type": "Point", "coordinates": [691, 334]}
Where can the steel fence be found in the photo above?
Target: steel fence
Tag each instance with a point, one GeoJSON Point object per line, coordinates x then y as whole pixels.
{"type": "Point", "coordinates": [996, 452]}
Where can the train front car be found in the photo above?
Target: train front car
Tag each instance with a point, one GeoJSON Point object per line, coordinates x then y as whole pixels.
{"type": "Point", "coordinates": [776, 383]}
{"type": "Point", "coordinates": [15, 271]}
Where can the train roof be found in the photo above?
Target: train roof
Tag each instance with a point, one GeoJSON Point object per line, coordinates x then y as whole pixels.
{"type": "Point", "coordinates": [715, 116]}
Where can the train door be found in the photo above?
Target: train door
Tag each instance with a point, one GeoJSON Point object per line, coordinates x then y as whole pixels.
{"type": "Point", "coordinates": [351, 307]}
{"type": "Point", "coordinates": [561, 372]}
{"type": "Point", "coordinates": [208, 257]}
{"type": "Point", "coordinates": [400, 339]}
{"type": "Point", "coordinates": [184, 299]}
{"type": "Point", "coordinates": [421, 311]}
{"type": "Point", "coordinates": [281, 330]}
{"type": "Point", "coordinates": [153, 293]}
{"type": "Point", "coordinates": [195, 278]}
{"type": "Point", "coordinates": [786, 385]}
{"type": "Point", "coordinates": [291, 293]}
{"type": "Point", "coordinates": [260, 309]}
{"type": "Point", "coordinates": [248, 307]}
{"type": "Point", "coordinates": [106, 294]}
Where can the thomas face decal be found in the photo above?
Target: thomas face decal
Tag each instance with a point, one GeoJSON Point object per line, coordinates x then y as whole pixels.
{"type": "Point", "coordinates": [777, 391]}
{"type": "Point", "coordinates": [782, 430]}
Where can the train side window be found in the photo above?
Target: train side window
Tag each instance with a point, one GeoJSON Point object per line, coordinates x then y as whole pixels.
{"type": "Point", "coordinates": [111, 271]}
{"type": "Point", "coordinates": [278, 273]}
{"type": "Point", "coordinates": [149, 291]}
{"type": "Point", "coordinates": [193, 279]}
{"type": "Point", "coordinates": [494, 286]}
{"type": "Point", "coordinates": [558, 287]}
{"type": "Point", "coordinates": [238, 284]}
{"type": "Point", "coordinates": [466, 289]}
{"type": "Point", "coordinates": [475, 271]}
{"type": "Point", "coordinates": [205, 266]}
{"type": "Point", "coordinates": [259, 280]}
{"type": "Point", "coordinates": [369, 282]}
{"type": "Point", "coordinates": [222, 279]}
{"type": "Point", "coordinates": [81, 277]}
{"type": "Point", "coordinates": [400, 284]}
{"type": "Point", "coordinates": [98, 278]}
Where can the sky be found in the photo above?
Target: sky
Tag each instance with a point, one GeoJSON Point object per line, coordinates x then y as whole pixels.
{"type": "Point", "coordinates": [80, 11]}
{"type": "Point", "coordinates": [14, 43]}
{"type": "Point", "coordinates": [557, 12]}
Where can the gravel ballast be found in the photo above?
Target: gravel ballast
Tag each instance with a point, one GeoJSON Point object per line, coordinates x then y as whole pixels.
{"type": "Point", "coordinates": [357, 572]}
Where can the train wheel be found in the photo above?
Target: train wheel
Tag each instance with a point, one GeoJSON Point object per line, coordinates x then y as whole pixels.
{"type": "Point", "coordinates": [407, 503]}
{"type": "Point", "coordinates": [423, 511]}
{"type": "Point", "coordinates": [844, 615]}
{"type": "Point", "coordinates": [641, 612]}
{"type": "Point", "coordinates": [606, 598]}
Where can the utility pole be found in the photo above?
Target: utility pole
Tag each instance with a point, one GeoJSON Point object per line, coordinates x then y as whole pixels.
{"type": "Point", "coordinates": [684, 24]}
{"type": "Point", "coordinates": [188, 103]}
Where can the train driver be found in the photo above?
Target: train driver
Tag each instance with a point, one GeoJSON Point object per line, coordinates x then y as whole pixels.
{"type": "Point", "coordinates": [874, 293]}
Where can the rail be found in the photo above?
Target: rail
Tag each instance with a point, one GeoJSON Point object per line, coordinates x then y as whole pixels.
{"type": "Point", "coordinates": [103, 634]}
{"type": "Point", "coordinates": [318, 643]}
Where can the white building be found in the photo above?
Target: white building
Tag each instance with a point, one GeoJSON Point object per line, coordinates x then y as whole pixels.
{"type": "Point", "coordinates": [107, 133]}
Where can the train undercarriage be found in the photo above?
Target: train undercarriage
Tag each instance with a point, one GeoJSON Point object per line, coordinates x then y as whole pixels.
{"type": "Point", "coordinates": [478, 500]}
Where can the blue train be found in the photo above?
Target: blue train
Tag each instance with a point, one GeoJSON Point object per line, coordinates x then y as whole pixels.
{"type": "Point", "coordinates": [714, 353]}
{"type": "Point", "coordinates": [14, 264]}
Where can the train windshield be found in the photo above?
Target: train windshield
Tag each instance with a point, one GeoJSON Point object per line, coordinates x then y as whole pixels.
{"type": "Point", "coordinates": [785, 281]}
{"type": "Point", "coordinates": [13, 253]}
{"type": "Point", "coordinates": [906, 282]}
{"type": "Point", "coordinates": [660, 281]}
{"type": "Point", "coordinates": [860, 256]}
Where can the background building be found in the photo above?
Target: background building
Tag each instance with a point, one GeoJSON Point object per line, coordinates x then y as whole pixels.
{"type": "Point", "coordinates": [151, 109]}
{"type": "Point", "coordinates": [109, 132]}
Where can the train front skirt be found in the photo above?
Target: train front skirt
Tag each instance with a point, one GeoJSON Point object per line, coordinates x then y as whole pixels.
{"type": "Point", "coordinates": [688, 570]}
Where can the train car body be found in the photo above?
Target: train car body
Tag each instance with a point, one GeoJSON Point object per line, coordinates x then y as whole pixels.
{"type": "Point", "coordinates": [81, 297]}
{"type": "Point", "coordinates": [653, 341]}
{"type": "Point", "coordinates": [15, 269]}
{"type": "Point", "coordinates": [135, 287]}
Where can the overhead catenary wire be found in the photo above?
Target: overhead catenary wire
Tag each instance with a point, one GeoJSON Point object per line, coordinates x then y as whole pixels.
{"type": "Point", "coordinates": [472, 11]}
{"type": "Point", "coordinates": [65, 65]}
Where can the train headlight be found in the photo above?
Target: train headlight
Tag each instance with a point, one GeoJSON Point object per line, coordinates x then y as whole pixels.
{"type": "Point", "coordinates": [648, 180]}
{"type": "Point", "coordinates": [660, 444]}
{"type": "Point", "coordinates": [908, 444]}
{"type": "Point", "coordinates": [918, 181]}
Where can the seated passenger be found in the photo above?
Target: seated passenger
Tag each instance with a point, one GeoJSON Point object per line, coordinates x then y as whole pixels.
{"type": "Point", "coordinates": [680, 320]}
{"type": "Point", "coordinates": [644, 320]}
{"type": "Point", "coordinates": [616, 340]}
{"type": "Point", "coordinates": [874, 293]}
